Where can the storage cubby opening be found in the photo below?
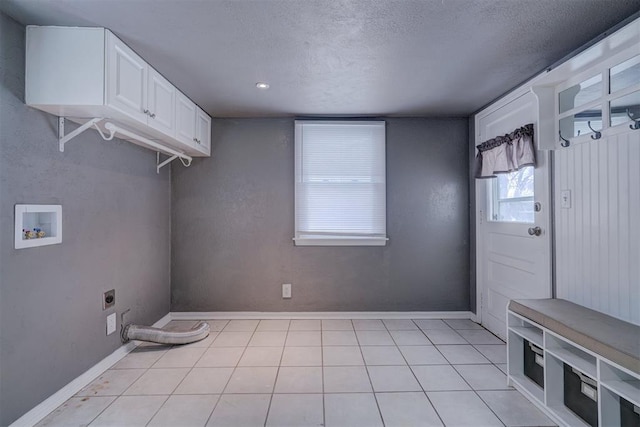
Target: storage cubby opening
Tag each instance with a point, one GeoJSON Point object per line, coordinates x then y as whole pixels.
{"type": "Point", "coordinates": [526, 329]}
{"type": "Point", "coordinates": [516, 367]}
{"type": "Point", "coordinates": [554, 380]}
{"type": "Point", "coordinates": [571, 355]}
{"type": "Point", "coordinates": [620, 382]}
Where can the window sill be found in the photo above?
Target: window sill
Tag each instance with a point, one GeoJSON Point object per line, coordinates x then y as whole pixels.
{"type": "Point", "coordinates": [340, 241]}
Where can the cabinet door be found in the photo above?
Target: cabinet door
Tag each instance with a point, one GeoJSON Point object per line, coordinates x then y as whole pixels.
{"type": "Point", "coordinates": [185, 120]}
{"type": "Point", "coordinates": [161, 103]}
{"type": "Point", "coordinates": [126, 79]}
{"type": "Point", "coordinates": [203, 131]}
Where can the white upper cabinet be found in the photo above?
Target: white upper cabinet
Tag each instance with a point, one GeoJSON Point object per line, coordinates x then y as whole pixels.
{"type": "Point", "coordinates": [185, 120]}
{"type": "Point", "coordinates": [203, 131]}
{"type": "Point", "coordinates": [193, 126]}
{"type": "Point", "coordinates": [85, 73]}
{"type": "Point", "coordinates": [161, 103]}
{"type": "Point", "coordinates": [126, 79]}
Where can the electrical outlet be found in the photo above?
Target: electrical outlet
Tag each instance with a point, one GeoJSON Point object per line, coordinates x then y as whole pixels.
{"type": "Point", "coordinates": [565, 199]}
{"type": "Point", "coordinates": [108, 299]}
{"type": "Point", "coordinates": [111, 323]}
{"type": "Point", "coordinates": [286, 290]}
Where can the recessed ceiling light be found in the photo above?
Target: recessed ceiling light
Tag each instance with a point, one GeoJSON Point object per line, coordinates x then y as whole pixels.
{"type": "Point", "coordinates": [262, 85]}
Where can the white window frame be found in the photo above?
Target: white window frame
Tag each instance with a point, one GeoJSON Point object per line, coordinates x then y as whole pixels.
{"type": "Point", "coordinates": [495, 201]}
{"type": "Point", "coordinates": [330, 240]}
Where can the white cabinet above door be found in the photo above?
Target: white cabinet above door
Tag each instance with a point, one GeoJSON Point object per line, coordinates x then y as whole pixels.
{"type": "Point", "coordinates": [161, 103]}
{"type": "Point", "coordinates": [126, 79]}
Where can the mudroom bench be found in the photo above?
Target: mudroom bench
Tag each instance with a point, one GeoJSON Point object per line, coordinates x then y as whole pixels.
{"type": "Point", "coordinates": [580, 366]}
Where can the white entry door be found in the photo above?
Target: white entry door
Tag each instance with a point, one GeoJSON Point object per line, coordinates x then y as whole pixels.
{"type": "Point", "coordinates": [513, 220]}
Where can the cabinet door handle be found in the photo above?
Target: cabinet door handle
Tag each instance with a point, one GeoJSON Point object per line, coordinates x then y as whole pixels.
{"type": "Point", "coordinates": [153, 115]}
{"type": "Point", "coordinates": [146, 112]}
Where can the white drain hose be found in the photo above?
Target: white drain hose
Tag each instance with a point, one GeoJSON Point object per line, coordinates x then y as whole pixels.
{"type": "Point", "coordinates": [160, 336]}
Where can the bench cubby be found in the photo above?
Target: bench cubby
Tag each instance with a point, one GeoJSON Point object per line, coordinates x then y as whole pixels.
{"type": "Point", "coordinates": [599, 350]}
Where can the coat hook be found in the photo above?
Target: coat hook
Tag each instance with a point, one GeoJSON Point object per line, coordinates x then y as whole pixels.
{"type": "Point", "coordinates": [597, 135]}
{"type": "Point", "coordinates": [636, 122]}
{"type": "Point", "coordinates": [565, 142]}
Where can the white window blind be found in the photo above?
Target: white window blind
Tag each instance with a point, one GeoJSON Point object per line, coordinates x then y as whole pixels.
{"type": "Point", "coordinates": [340, 185]}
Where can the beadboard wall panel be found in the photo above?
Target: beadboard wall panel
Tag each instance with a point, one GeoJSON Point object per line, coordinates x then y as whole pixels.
{"type": "Point", "coordinates": [598, 237]}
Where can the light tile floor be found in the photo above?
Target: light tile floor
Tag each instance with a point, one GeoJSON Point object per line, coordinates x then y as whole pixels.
{"type": "Point", "coordinates": [309, 373]}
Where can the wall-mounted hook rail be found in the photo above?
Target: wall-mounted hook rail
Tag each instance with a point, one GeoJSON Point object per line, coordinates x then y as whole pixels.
{"type": "Point", "coordinates": [565, 142]}
{"type": "Point", "coordinates": [597, 133]}
{"type": "Point", "coordinates": [63, 139]}
{"type": "Point", "coordinates": [636, 122]}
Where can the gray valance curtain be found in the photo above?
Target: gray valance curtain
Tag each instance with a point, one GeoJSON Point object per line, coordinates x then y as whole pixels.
{"type": "Point", "coordinates": [505, 154]}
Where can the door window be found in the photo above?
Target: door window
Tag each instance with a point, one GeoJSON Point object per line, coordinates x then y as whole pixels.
{"type": "Point", "coordinates": [512, 196]}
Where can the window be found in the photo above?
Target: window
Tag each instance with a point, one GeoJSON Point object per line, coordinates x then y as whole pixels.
{"type": "Point", "coordinates": [512, 196]}
{"type": "Point", "coordinates": [340, 190]}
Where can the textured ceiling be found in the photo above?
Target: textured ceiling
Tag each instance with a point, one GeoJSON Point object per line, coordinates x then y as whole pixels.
{"type": "Point", "coordinates": [341, 57]}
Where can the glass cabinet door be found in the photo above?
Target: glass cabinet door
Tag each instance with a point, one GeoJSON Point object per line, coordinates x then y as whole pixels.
{"type": "Point", "coordinates": [626, 107]}
{"type": "Point", "coordinates": [580, 94]}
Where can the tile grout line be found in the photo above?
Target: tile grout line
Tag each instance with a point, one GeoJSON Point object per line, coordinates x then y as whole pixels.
{"type": "Point", "coordinates": [121, 394]}
{"type": "Point", "coordinates": [477, 394]}
{"type": "Point", "coordinates": [194, 367]}
{"type": "Point", "coordinates": [94, 418]}
{"type": "Point", "coordinates": [194, 364]}
{"type": "Point", "coordinates": [366, 367]}
{"type": "Point", "coordinates": [125, 390]}
{"type": "Point", "coordinates": [452, 366]}
{"type": "Point", "coordinates": [234, 368]}
{"type": "Point", "coordinates": [220, 395]}
{"type": "Point", "coordinates": [468, 384]}
{"type": "Point", "coordinates": [414, 374]}
{"type": "Point", "coordinates": [181, 381]}
{"type": "Point", "coordinates": [158, 410]}
{"type": "Point", "coordinates": [275, 380]}
{"type": "Point", "coordinates": [131, 385]}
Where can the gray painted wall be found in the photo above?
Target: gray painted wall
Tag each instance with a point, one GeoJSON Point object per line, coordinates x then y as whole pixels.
{"type": "Point", "coordinates": [116, 223]}
{"type": "Point", "coordinates": [233, 214]}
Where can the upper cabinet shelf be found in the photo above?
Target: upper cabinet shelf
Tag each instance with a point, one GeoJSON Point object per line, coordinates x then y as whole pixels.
{"type": "Point", "coordinates": [85, 73]}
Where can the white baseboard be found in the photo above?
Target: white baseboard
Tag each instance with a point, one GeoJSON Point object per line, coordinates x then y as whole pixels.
{"type": "Point", "coordinates": [233, 315]}
{"type": "Point", "coordinates": [36, 414]}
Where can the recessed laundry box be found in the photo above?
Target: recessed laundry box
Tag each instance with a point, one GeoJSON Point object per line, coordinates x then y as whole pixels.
{"type": "Point", "coordinates": [581, 395]}
{"type": "Point", "coordinates": [533, 362]}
